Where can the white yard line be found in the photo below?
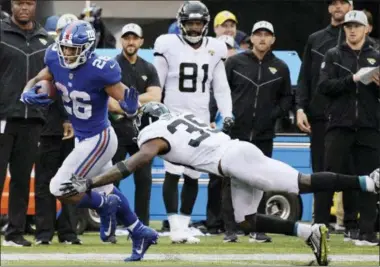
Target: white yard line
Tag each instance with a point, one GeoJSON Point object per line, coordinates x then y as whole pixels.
{"type": "Point", "coordinates": [182, 257]}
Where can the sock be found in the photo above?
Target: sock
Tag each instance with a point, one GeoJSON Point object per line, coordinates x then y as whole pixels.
{"type": "Point", "coordinates": [174, 222]}
{"type": "Point", "coordinates": [366, 184]}
{"type": "Point", "coordinates": [132, 227]}
{"type": "Point", "coordinates": [302, 230]}
{"type": "Point", "coordinates": [92, 200]}
{"type": "Point", "coordinates": [170, 192]}
{"type": "Point", "coordinates": [124, 212]}
{"type": "Point", "coordinates": [188, 195]}
{"type": "Point", "coordinates": [274, 225]}
{"type": "Point", "coordinates": [328, 181]}
{"type": "Point", "coordinates": [261, 223]}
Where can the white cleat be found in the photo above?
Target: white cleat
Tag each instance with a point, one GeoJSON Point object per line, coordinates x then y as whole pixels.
{"type": "Point", "coordinates": [190, 238]}
{"type": "Point", "coordinates": [178, 237]}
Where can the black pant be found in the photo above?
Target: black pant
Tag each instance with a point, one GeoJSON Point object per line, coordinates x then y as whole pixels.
{"type": "Point", "coordinates": [220, 210]}
{"type": "Point", "coordinates": [317, 144]}
{"type": "Point", "coordinates": [363, 146]}
{"type": "Point", "coordinates": [142, 177]}
{"type": "Point", "coordinates": [317, 147]}
{"type": "Point", "coordinates": [52, 152]}
{"type": "Point", "coordinates": [18, 147]}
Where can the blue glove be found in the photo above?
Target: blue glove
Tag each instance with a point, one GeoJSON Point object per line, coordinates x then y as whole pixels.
{"type": "Point", "coordinates": [32, 98]}
{"type": "Point", "coordinates": [130, 104]}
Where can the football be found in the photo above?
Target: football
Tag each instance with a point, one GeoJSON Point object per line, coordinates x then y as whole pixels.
{"type": "Point", "coordinates": [47, 87]}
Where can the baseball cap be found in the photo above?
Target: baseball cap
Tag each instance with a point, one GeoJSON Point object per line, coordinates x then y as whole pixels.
{"type": "Point", "coordinates": [263, 25]}
{"type": "Point", "coordinates": [356, 16]}
{"type": "Point", "coordinates": [223, 16]}
{"type": "Point", "coordinates": [228, 39]}
{"type": "Point", "coordinates": [132, 28]}
{"type": "Point", "coordinates": [64, 20]}
{"type": "Point", "coordinates": [348, 1]}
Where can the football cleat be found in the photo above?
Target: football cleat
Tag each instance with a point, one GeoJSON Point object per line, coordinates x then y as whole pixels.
{"type": "Point", "coordinates": [317, 241]}
{"type": "Point", "coordinates": [107, 213]}
{"type": "Point", "coordinates": [142, 238]}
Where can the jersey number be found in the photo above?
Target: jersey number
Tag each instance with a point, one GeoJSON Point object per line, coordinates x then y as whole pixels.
{"type": "Point", "coordinates": [191, 77]}
{"type": "Point", "coordinates": [192, 126]}
{"type": "Point", "coordinates": [79, 109]}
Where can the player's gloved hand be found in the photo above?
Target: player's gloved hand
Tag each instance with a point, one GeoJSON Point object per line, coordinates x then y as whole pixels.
{"type": "Point", "coordinates": [228, 123]}
{"type": "Point", "coordinates": [130, 104]}
{"type": "Point", "coordinates": [31, 97]}
{"type": "Point", "coordinates": [75, 186]}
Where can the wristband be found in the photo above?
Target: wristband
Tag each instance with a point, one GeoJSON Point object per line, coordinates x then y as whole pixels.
{"type": "Point", "coordinates": [121, 166]}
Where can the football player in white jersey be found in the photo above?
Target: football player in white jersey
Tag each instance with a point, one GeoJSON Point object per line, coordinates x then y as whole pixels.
{"type": "Point", "coordinates": [187, 65]}
{"type": "Point", "coordinates": [184, 139]}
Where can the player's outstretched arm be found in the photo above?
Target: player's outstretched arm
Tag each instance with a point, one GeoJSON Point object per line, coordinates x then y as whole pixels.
{"type": "Point", "coordinates": [126, 97]}
{"type": "Point", "coordinates": [121, 170]}
{"type": "Point", "coordinates": [124, 168]}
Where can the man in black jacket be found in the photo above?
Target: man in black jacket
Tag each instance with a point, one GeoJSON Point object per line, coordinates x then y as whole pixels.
{"type": "Point", "coordinates": [311, 105]}
{"type": "Point", "coordinates": [261, 93]}
{"type": "Point", "coordinates": [22, 46]}
{"type": "Point", "coordinates": [353, 114]}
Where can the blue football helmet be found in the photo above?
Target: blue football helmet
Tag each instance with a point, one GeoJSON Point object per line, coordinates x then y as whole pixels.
{"type": "Point", "coordinates": [76, 43]}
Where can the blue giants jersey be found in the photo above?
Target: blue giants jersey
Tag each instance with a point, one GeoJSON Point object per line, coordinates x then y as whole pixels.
{"type": "Point", "coordinates": [82, 90]}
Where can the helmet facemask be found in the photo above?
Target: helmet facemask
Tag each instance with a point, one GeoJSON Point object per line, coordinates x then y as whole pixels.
{"type": "Point", "coordinates": [188, 35]}
{"type": "Point", "coordinates": [77, 58]}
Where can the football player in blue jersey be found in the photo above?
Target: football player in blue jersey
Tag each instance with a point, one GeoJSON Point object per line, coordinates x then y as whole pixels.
{"type": "Point", "coordinates": [85, 82]}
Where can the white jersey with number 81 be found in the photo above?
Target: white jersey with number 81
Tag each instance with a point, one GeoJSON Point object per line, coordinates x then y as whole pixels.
{"type": "Point", "coordinates": [189, 73]}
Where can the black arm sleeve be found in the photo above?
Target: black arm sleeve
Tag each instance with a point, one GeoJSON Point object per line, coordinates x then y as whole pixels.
{"type": "Point", "coordinates": [304, 80]}
{"type": "Point", "coordinates": [285, 95]}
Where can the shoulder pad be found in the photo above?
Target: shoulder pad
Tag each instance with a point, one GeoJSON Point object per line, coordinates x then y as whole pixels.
{"type": "Point", "coordinates": [163, 43]}
{"type": "Point", "coordinates": [219, 46]}
{"type": "Point", "coordinates": [51, 55]}
{"type": "Point", "coordinates": [152, 131]}
{"type": "Point", "coordinates": [107, 69]}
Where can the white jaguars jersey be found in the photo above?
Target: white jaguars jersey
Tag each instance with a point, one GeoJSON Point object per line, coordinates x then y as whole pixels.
{"type": "Point", "coordinates": [192, 142]}
{"type": "Point", "coordinates": [190, 72]}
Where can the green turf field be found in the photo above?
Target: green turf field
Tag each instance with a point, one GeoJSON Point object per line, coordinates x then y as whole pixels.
{"type": "Point", "coordinates": [167, 254]}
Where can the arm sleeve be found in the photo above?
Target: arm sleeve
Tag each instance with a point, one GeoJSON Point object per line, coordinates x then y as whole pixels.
{"type": "Point", "coordinates": [285, 95]}
{"type": "Point", "coordinates": [304, 79]}
{"type": "Point", "coordinates": [160, 62]}
{"type": "Point", "coordinates": [162, 68]}
{"type": "Point", "coordinates": [213, 107]}
{"type": "Point", "coordinates": [110, 74]}
{"type": "Point", "coordinates": [222, 90]}
{"type": "Point", "coordinates": [330, 84]}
